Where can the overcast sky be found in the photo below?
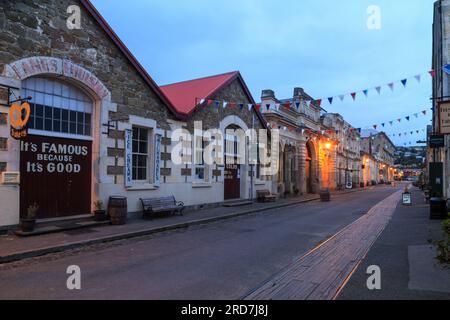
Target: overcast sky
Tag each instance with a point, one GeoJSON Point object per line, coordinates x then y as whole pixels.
{"type": "Point", "coordinates": [323, 46]}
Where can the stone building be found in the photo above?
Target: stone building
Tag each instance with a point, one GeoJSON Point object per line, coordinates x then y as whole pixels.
{"type": "Point", "coordinates": [378, 145]}
{"type": "Point", "coordinates": [216, 102]}
{"type": "Point", "coordinates": [369, 170]}
{"type": "Point", "coordinates": [307, 147]}
{"type": "Point", "coordinates": [438, 169]}
{"type": "Point", "coordinates": [348, 162]}
{"type": "Point", "coordinates": [98, 125]}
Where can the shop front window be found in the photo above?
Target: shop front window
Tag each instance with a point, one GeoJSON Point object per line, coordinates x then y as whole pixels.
{"type": "Point", "coordinates": [58, 107]}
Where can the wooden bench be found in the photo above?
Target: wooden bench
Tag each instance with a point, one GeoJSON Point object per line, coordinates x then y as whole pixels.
{"type": "Point", "coordinates": [265, 196]}
{"type": "Point", "coordinates": [151, 206]}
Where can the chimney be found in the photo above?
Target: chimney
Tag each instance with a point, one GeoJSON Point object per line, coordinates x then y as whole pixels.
{"type": "Point", "coordinates": [267, 94]}
{"type": "Point", "coordinates": [298, 92]}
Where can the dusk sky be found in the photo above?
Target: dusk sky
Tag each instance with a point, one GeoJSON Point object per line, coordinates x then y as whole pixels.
{"type": "Point", "coordinates": [323, 46]}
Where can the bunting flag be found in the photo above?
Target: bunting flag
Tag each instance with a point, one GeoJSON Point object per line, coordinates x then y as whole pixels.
{"type": "Point", "coordinates": [375, 126]}
{"type": "Point", "coordinates": [268, 106]}
{"type": "Point", "coordinates": [391, 86]}
{"type": "Point", "coordinates": [241, 106]}
{"type": "Point", "coordinates": [287, 105]}
{"type": "Point", "coordinates": [399, 120]}
{"type": "Point", "coordinates": [224, 104]}
{"type": "Point", "coordinates": [297, 105]}
{"type": "Point", "coordinates": [418, 78]}
{"type": "Point", "coordinates": [416, 115]}
{"type": "Point", "coordinates": [433, 73]}
{"type": "Point", "coordinates": [407, 118]}
{"type": "Point", "coordinates": [249, 106]}
{"type": "Point", "coordinates": [277, 106]}
{"type": "Point", "coordinates": [424, 112]}
{"type": "Point", "coordinates": [217, 104]}
{"type": "Point", "coordinates": [353, 96]}
{"type": "Point", "coordinates": [308, 103]}
{"type": "Point", "coordinates": [383, 124]}
{"type": "Point", "coordinates": [258, 107]}
{"type": "Point", "coordinates": [330, 100]}
{"type": "Point", "coordinates": [342, 97]}
{"type": "Point", "coordinates": [404, 82]}
{"type": "Point", "coordinates": [378, 90]}
{"type": "Point", "coordinates": [391, 122]}
{"type": "Point", "coordinates": [319, 102]}
{"type": "Point", "coordinates": [210, 102]}
{"type": "Point", "coordinates": [366, 92]}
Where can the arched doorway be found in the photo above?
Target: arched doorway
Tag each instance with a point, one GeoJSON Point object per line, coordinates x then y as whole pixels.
{"type": "Point", "coordinates": [56, 157]}
{"type": "Point", "coordinates": [233, 155]}
{"type": "Point", "coordinates": [308, 169]}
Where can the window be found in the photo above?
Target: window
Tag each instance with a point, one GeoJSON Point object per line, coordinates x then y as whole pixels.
{"type": "Point", "coordinates": [199, 159]}
{"type": "Point", "coordinates": [58, 107]}
{"type": "Point", "coordinates": [140, 154]}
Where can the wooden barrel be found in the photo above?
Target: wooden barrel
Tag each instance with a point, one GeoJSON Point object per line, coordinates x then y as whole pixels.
{"type": "Point", "coordinates": [117, 210]}
{"type": "Point", "coordinates": [325, 195]}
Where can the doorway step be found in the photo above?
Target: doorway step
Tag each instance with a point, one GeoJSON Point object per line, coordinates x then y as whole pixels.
{"type": "Point", "coordinates": [236, 203]}
{"type": "Point", "coordinates": [47, 226]}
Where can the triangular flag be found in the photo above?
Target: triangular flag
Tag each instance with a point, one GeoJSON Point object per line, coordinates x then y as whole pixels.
{"type": "Point", "coordinates": [446, 68]}
{"type": "Point", "coordinates": [330, 100]}
{"type": "Point", "coordinates": [217, 103]}
{"type": "Point", "coordinates": [375, 126]}
{"type": "Point", "coordinates": [412, 132]}
{"type": "Point", "coordinates": [258, 106]}
{"type": "Point", "coordinates": [432, 73]}
{"type": "Point", "coordinates": [424, 112]}
{"type": "Point", "coordinates": [365, 92]}
{"type": "Point", "coordinates": [417, 131]}
{"type": "Point", "coordinates": [232, 105]}
{"type": "Point", "coordinates": [416, 115]}
{"type": "Point", "coordinates": [249, 106]}
{"type": "Point", "coordinates": [391, 86]}
{"type": "Point", "coordinates": [224, 104]}
{"type": "Point", "coordinates": [383, 124]}
{"type": "Point", "coordinates": [404, 82]}
{"type": "Point", "coordinates": [391, 122]}
{"type": "Point", "coordinates": [308, 103]}
{"type": "Point", "coordinates": [353, 95]}
{"type": "Point", "coordinates": [268, 106]}
{"type": "Point", "coordinates": [418, 77]}
{"type": "Point", "coordinates": [241, 106]}
{"type": "Point", "coordinates": [297, 105]}
{"type": "Point", "coordinates": [202, 101]}
{"type": "Point", "coordinates": [319, 102]}
{"type": "Point", "coordinates": [378, 89]}
{"type": "Point", "coordinates": [342, 97]}
{"type": "Point", "coordinates": [407, 118]}
{"type": "Point", "coordinates": [287, 105]}
{"type": "Point", "coordinates": [210, 102]}
{"type": "Point", "coordinates": [277, 106]}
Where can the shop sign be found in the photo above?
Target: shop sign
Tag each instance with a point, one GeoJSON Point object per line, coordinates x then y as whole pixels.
{"type": "Point", "coordinates": [18, 119]}
{"type": "Point", "coordinates": [157, 160]}
{"type": "Point", "coordinates": [128, 157]}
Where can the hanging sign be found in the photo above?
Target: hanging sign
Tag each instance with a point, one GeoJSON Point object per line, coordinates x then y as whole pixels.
{"type": "Point", "coordinates": [437, 141]}
{"type": "Point", "coordinates": [444, 117]}
{"type": "Point", "coordinates": [18, 118]}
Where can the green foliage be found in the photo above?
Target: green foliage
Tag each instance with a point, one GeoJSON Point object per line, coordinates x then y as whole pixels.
{"type": "Point", "coordinates": [443, 246]}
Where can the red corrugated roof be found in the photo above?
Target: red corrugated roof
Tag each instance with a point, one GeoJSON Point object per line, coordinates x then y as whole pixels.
{"type": "Point", "coordinates": [185, 95]}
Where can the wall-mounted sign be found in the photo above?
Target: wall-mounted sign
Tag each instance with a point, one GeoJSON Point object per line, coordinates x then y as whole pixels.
{"type": "Point", "coordinates": [437, 141]}
{"type": "Point", "coordinates": [157, 160]}
{"type": "Point", "coordinates": [128, 158]}
{"type": "Point", "coordinates": [444, 117]}
{"type": "Point", "coordinates": [18, 119]}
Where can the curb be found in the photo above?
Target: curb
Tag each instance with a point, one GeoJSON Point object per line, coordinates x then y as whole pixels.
{"type": "Point", "coordinates": [135, 234]}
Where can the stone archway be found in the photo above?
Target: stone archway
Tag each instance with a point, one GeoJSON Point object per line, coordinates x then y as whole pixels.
{"type": "Point", "coordinates": [311, 168]}
{"type": "Point", "coordinates": [78, 76]}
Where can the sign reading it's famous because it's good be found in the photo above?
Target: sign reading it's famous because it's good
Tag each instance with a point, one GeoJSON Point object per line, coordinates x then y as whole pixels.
{"type": "Point", "coordinates": [53, 155]}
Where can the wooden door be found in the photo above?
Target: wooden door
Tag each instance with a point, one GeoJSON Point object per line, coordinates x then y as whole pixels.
{"type": "Point", "coordinates": [232, 185]}
{"type": "Point", "coordinates": [55, 174]}
{"type": "Point", "coordinates": [308, 176]}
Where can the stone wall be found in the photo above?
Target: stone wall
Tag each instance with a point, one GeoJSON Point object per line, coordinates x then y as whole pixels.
{"type": "Point", "coordinates": [38, 28]}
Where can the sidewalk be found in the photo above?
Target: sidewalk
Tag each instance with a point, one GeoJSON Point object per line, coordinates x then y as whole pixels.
{"type": "Point", "coordinates": [406, 258]}
{"type": "Point", "coordinates": [14, 248]}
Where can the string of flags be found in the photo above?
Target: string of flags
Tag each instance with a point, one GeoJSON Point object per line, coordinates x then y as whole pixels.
{"type": "Point", "coordinates": [406, 133]}
{"type": "Point", "coordinates": [399, 120]}
{"type": "Point", "coordinates": [392, 85]}
{"type": "Point", "coordinates": [269, 106]}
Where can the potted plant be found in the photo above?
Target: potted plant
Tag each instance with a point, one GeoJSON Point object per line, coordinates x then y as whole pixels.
{"type": "Point", "coordinates": [99, 212]}
{"type": "Point", "coordinates": [28, 223]}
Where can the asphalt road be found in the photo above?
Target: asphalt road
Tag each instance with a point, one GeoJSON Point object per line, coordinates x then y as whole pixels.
{"type": "Point", "coordinates": [223, 260]}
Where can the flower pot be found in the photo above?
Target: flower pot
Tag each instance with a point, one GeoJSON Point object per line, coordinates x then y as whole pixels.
{"type": "Point", "coordinates": [27, 225]}
{"type": "Point", "coordinates": [99, 215]}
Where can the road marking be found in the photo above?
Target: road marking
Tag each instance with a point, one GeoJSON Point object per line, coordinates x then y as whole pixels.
{"type": "Point", "coordinates": [322, 273]}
